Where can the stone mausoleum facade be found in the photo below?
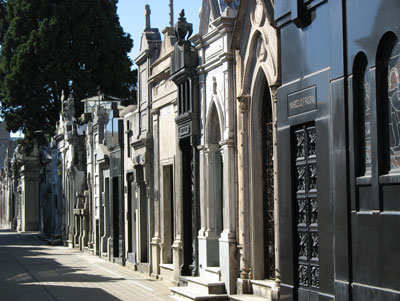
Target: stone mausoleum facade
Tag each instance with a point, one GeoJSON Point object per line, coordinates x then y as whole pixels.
{"type": "Point", "coordinates": [260, 159]}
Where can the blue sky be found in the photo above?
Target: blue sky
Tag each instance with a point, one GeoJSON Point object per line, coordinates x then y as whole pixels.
{"type": "Point", "coordinates": [131, 16]}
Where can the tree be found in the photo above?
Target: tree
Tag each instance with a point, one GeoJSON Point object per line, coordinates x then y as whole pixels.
{"type": "Point", "coordinates": [2, 19]}
{"type": "Point", "coordinates": [48, 46]}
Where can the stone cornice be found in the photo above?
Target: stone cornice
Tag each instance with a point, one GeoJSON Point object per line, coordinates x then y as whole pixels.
{"type": "Point", "coordinates": [223, 25]}
{"type": "Point", "coordinates": [142, 57]}
{"type": "Point", "coordinates": [159, 76]}
{"type": "Point", "coordinates": [127, 110]}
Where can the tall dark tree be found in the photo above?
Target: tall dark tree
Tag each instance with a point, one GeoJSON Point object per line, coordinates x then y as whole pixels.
{"type": "Point", "coordinates": [48, 46]}
{"type": "Point", "coordinates": [2, 20]}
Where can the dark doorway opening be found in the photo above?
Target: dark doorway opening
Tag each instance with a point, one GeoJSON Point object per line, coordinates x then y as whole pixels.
{"type": "Point", "coordinates": [116, 228]}
{"type": "Point", "coordinates": [268, 184]}
{"type": "Point", "coordinates": [131, 218]}
{"type": "Point", "coordinates": [189, 265]}
{"type": "Point", "coordinates": [169, 216]}
{"type": "Point", "coordinates": [143, 216]}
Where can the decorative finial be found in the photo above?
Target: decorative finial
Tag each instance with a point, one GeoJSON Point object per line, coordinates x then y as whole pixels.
{"type": "Point", "coordinates": [182, 28]}
{"type": "Point", "coordinates": [147, 13]}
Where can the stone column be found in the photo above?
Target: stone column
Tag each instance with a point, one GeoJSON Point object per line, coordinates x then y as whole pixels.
{"type": "Point", "coordinates": [276, 289]}
{"type": "Point", "coordinates": [208, 239]}
{"type": "Point", "coordinates": [227, 242]}
{"type": "Point", "coordinates": [69, 208]}
{"type": "Point", "coordinates": [76, 230]}
{"type": "Point", "coordinates": [110, 219]}
{"type": "Point", "coordinates": [211, 195]}
{"type": "Point", "coordinates": [177, 245]}
{"type": "Point", "coordinates": [203, 174]}
{"type": "Point", "coordinates": [196, 204]}
{"type": "Point", "coordinates": [104, 216]}
{"type": "Point", "coordinates": [148, 184]}
{"type": "Point", "coordinates": [91, 206]}
{"type": "Point", "coordinates": [156, 240]}
{"type": "Point", "coordinates": [86, 220]}
{"type": "Point", "coordinates": [64, 196]}
{"type": "Point", "coordinates": [203, 158]}
{"type": "Point", "coordinates": [30, 197]}
{"type": "Point", "coordinates": [243, 283]}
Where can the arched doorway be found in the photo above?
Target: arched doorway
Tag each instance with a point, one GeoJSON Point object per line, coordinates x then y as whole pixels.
{"type": "Point", "coordinates": [215, 186]}
{"type": "Point", "coordinates": [262, 179]}
{"type": "Point", "coordinates": [268, 184]}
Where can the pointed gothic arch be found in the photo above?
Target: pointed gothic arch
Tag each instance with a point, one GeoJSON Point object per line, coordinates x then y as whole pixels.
{"type": "Point", "coordinates": [261, 154]}
{"type": "Point", "coordinates": [260, 79]}
{"type": "Point", "coordinates": [259, 55]}
{"type": "Point", "coordinates": [214, 187]}
{"type": "Point", "coordinates": [215, 107]}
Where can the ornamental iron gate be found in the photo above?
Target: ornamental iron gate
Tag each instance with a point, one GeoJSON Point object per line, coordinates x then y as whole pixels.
{"type": "Point", "coordinates": [268, 152]}
{"type": "Point", "coordinates": [306, 205]}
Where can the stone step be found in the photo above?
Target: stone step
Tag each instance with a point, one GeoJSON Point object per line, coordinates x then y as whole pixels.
{"type": "Point", "coordinates": [213, 273]}
{"type": "Point", "coordinates": [167, 272]}
{"type": "Point", "coordinates": [54, 241]}
{"type": "Point", "coordinates": [263, 288]}
{"type": "Point", "coordinates": [204, 284]}
{"type": "Point", "coordinates": [190, 293]}
{"type": "Point", "coordinates": [246, 297]}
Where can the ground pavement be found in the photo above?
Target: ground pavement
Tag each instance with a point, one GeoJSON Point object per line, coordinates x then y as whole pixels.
{"type": "Point", "coordinates": [32, 270]}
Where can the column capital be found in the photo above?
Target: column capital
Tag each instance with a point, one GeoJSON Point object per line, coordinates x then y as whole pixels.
{"type": "Point", "coordinates": [274, 92]}
{"type": "Point", "coordinates": [243, 100]}
{"type": "Point", "coordinates": [155, 112]}
{"type": "Point", "coordinates": [227, 143]}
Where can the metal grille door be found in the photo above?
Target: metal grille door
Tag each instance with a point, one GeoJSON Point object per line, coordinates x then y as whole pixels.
{"type": "Point", "coordinates": [306, 205]}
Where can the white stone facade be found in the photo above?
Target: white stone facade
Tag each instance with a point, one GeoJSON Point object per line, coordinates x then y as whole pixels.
{"type": "Point", "coordinates": [217, 235]}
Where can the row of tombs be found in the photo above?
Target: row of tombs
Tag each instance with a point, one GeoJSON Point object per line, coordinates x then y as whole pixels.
{"type": "Point", "coordinates": [250, 161]}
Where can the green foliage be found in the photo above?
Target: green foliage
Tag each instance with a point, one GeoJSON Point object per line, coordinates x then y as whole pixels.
{"type": "Point", "coordinates": [48, 46]}
{"type": "Point", "coordinates": [2, 19]}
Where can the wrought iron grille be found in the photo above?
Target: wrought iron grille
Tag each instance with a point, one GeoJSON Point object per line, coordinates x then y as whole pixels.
{"type": "Point", "coordinates": [306, 205]}
{"type": "Point", "coordinates": [269, 239]}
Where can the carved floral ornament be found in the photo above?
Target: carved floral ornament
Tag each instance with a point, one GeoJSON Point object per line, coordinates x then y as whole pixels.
{"type": "Point", "coordinates": [259, 15]}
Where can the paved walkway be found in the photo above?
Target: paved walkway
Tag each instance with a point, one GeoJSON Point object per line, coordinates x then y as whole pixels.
{"type": "Point", "coordinates": [33, 270]}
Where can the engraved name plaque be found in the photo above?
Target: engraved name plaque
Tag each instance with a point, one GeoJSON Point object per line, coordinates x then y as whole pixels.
{"type": "Point", "coordinates": [184, 130]}
{"type": "Point", "coordinates": [302, 101]}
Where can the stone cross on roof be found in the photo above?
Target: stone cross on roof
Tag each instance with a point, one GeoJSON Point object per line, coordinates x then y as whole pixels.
{"type": "Point", "coordinates": [147, 13]}
{"type": "Point", "coordinates": [171, 13]}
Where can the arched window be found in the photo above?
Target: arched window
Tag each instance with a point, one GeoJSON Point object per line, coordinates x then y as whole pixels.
{"type": "Point", "coordinates": [394, 107]}
{"type": "Point", "coordinates": [362, 115]}
{"type": "Point", "coordinates": [388, 98]}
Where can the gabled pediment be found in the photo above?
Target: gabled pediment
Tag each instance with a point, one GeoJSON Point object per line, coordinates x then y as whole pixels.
{"type": "Point", "coordinates": [149, 36]}
{"type": "Point", "coordinates": [213, 9]}
{"type": "Point", "coordinates": [251, 14]}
